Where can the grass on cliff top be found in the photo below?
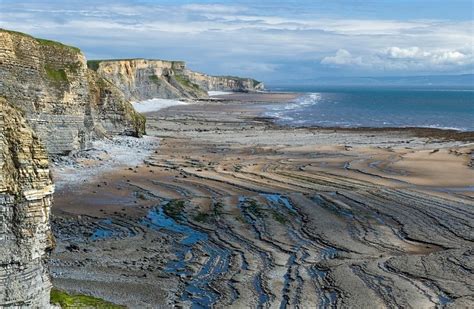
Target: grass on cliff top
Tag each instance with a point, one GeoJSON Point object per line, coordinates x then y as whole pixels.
{"type": "Point", "coordinates": [94, 64]}
{"type": "Point", "coordinates": [66, 300]}
{"type": "Point", "coordinates": [43, 41]}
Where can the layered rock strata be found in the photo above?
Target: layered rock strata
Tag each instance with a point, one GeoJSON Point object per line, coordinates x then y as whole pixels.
{"type": "Point", "coordinates": [142, 79]}
{"type": "Point", "coordinates": [25, 199]}
{"type": "Point", "coordinates": [64, 102]}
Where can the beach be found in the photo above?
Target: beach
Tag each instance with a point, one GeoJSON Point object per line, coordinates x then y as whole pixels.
{"type": "Point", "coordinates": [222, 206]}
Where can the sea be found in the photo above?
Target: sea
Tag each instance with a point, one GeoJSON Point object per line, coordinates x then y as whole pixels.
{"type": "Point", "coordinates": [444, 108]}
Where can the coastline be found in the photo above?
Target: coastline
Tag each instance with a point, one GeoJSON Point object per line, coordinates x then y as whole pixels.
{"type": "Point", "coordinates": [348, 193]}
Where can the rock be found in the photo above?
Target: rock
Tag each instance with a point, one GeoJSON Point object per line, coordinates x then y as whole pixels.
{"type": "Point", "coordinates": [143, 79]}
{"type": "Point", "coordinates": [64, 102]}
{"type": "Point", "coordinates": [25, 203]}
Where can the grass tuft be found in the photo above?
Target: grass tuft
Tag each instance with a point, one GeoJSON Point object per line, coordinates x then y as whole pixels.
{"type": "Point", "coordinates": [279, 217]}
{"type": "Point", "coordinates": [202, 217]}
{"type": "Point", "coordinates": [174, 209]}
{"type": "Point", "coordinates": [256, 209]}
{"type": "Point", "coordinates": [54, 75]}
{"type": "Point", "coordinates": [66, 300]}
{"type": "Point", "coordinates": [183, 80]}
{"type": "Point", "coordinates": [154, 79]}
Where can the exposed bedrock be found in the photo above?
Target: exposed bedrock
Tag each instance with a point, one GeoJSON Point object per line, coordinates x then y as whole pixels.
{"type": "Point", "coordinates": [25, 199]}
{"type": "Point", "coordinates": [142, 79]}
{"type": "Point", "coordinates": [65, 103]}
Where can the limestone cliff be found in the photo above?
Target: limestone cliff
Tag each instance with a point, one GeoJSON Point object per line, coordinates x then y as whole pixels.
{"type": "Point", "coordinates": [142, 79]}
{"type": "Point", "coordinates": [25, 200]}
{"type": "Point", "coordinates": [224, 83]}
{"type": "Point", "coordinates": [64, 101]}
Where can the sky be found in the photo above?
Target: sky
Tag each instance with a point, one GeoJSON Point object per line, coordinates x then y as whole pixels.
{"type": "Point", "coordinates": [273, 41]}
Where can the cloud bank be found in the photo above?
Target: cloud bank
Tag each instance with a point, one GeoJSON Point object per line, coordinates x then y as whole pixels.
{"type": "Point", "coordinates": [269, 40]}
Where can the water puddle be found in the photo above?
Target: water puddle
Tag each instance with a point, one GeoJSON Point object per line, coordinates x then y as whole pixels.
{"type": "Point", "coordinates": [278, 199]}
{"type": "Point", "coordinates": [108, 229]}
{"type": "Point", "coordinates": [262, 296]}
{"type": "Point", "coordinates": [197, 290]}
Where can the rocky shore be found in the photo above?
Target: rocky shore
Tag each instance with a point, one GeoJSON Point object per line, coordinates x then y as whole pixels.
{"type": "Point", "coordinates": [230, 210]}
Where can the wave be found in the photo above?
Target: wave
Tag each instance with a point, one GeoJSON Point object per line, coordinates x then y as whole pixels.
{"type": "Point", "coordinates": [299, 103]}
{"type": "Point", "coordinates": [218, 93]}
{"type": "Point", "coordinates": [154, 105]}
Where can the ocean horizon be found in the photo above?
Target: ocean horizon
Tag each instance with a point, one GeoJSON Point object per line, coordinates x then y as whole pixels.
{"type": "Point", "coordinates": [331, 106]}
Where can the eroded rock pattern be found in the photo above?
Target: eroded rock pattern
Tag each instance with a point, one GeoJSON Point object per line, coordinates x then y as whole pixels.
{"type": "Point", "coordinates": [240, 214]}
{"type": "Point", "coordinates": [25, 199]}
{"type": "Point", "coordinates": [142, 79]}
{"type": "Point", "coordinates": [63, 101]}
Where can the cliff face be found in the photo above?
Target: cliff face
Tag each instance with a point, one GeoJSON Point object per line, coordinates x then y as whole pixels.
{"type": "Point", "coordinates": [25, 199]}
{"type": "Point", "coordinates": [224, 83]}
{"type": "Point", "coordinates": [142, 79]}
{"type": "Point", "coordinates": [62, 100]}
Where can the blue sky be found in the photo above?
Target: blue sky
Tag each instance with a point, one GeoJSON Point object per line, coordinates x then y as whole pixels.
{"type": "Point", "coordinates": [274, 41]}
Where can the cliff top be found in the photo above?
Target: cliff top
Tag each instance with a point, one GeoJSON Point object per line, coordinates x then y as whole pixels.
{"type": "Point", "coordinates": [94, 64]}
{"type": "Point", "coordinates": [43, 42]}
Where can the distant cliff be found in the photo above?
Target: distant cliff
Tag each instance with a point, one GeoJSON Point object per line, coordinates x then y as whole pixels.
{"type": "Point", "coordinates": [25, 200]}
{"type": "Point", "coordinates": [142, 79]}
{"type": "Point", "coordinates": [224, 83]}
{"type": "Point", "coordinates": [65, 103]}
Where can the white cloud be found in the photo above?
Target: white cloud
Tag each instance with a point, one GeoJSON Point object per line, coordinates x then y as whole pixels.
{"type": "Point", "coordinates": [214, 8]}
{"type": "Point", "coordinates": [409, 58]}
{"type": "Point", "coordinates": [342, 57]}
{"type": "Point", "coordinates": [406, 53]}
{"type": "Point", "coordinates": [237, 38]}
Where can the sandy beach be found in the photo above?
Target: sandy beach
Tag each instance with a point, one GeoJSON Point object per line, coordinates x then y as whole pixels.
{"type": "Point", "coordinates": [226, 208]}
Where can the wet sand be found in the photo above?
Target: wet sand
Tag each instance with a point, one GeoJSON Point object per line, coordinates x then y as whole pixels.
{"type": "Point", "coordinates": [233, 211]}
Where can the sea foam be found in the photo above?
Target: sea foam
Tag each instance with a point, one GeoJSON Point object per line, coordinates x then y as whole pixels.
{"type": "Point", "coordinates": [154, 105]}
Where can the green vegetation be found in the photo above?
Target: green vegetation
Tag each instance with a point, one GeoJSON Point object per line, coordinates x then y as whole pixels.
{"type": "Point", "coordinates": [218, 208]}
{"type": "Point", "coordinates": [55, 75]}
{"type": "Point", "coordinates": [154, 79]}
{"type": "Point", "coordinates": [43, 42]}
{"type": "Point", "coordinates": [93, 64]}
{"type": "Point", "coordinates": [279, 217]}
{"type": "Point", "coordinates": [66, 300]}
{"type": "Point", "coordinates": [57, 45]}
{"type": "Point", "coordinates": [207, 217]}
{"type": "Point", "coordinates": [203, 217]}
{"type": "Point", "coordinates": [255, 209]}
{"type": "Point", "coordinates": [183, 80]}
{"type": "Point", "coordinates": [174, 209]}
{"type": "Point", "coordinates": [137, 119]}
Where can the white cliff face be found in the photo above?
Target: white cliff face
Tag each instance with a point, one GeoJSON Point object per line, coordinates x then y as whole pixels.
{"type": "Point", "coordinates": [142, 79]}
{"type": "Point", "coordinates": [25, 202]}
